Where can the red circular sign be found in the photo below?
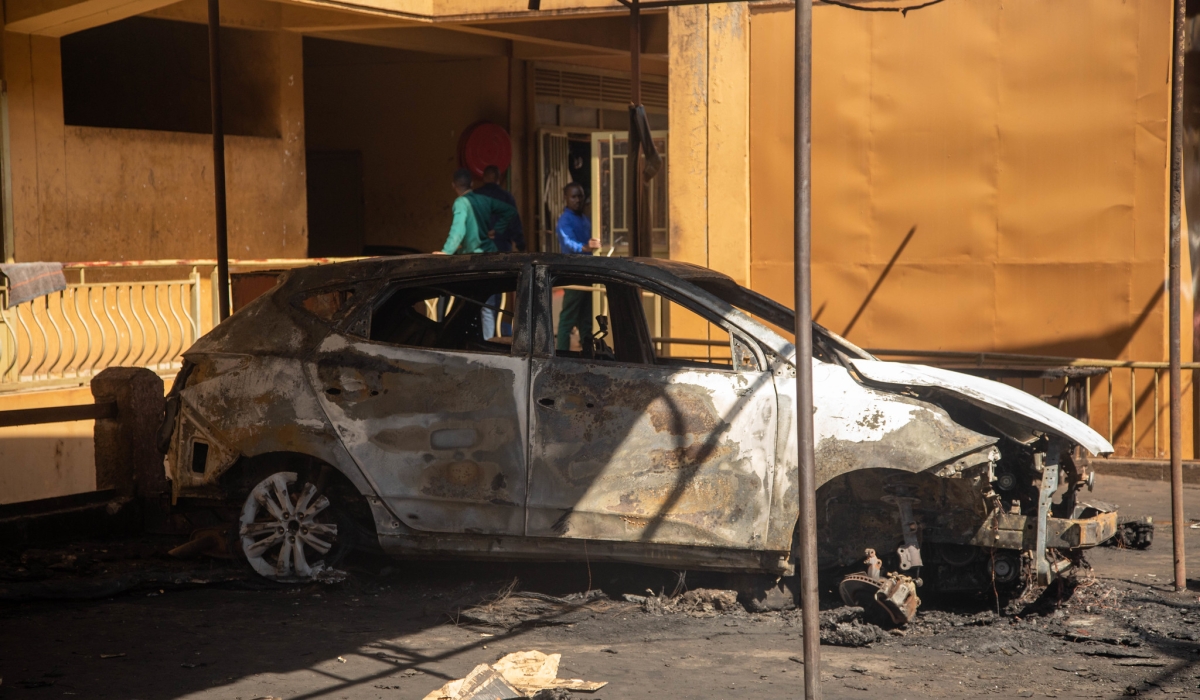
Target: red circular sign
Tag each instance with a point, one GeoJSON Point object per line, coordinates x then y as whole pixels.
{"type": "Point", "coordinates": [486, 144]}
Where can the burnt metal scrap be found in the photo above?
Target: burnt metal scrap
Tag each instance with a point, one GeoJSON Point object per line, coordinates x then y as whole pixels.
{"type": "Point", "coordinates": [367, 390]}
{"type": "Point", "coordinates": [894, 594]}
{"type": "Point", "coordinates": [1134, 533]}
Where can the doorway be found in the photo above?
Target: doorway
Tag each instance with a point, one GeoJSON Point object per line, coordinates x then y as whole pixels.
{"type": "Point", "coordinates": [596, 160]}
{"type": "Point", "coordinates": [336, 221]}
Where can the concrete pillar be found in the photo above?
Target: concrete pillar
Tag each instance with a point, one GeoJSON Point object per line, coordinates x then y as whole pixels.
{"type": "Point", "coordinates": [293, 197]}
{"type": "Point", "coordinates": [127, 456]}
{"type": "Point", "coordinates": [710, 136]}
{"type": "Point", "coordinates": [687, 149]}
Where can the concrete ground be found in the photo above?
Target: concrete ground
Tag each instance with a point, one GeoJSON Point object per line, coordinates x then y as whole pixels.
{"type": "Point", "coordinates": [400, 633]}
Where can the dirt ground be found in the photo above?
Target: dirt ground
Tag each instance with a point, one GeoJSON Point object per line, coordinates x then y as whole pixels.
{"type": "Point", "coordinates": [203, 630]}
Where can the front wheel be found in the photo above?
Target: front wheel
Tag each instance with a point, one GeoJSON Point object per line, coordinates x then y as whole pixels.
{"type": "Point", "coordinates": [291, 533]}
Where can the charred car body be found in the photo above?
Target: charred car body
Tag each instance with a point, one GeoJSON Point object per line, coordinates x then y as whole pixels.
{"type": "Point", "coordinates": [362, 399]}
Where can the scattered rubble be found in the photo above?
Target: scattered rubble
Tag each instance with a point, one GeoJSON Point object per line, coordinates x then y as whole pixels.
{"type": "Point", "coordinates": [1102, 634]}
{"type": "Point", "coordinates": [209, 541]}
{"type": "Point", "coordinates": [102, 569]}
{"type": "Point", "coordinates": [845, 627]}
{"type": "Point", "coordinates": [890, 598]}
{"type": "Point", "coordinates": [511, 608]}
{"type": "Point", "coordinates": [699, 602]}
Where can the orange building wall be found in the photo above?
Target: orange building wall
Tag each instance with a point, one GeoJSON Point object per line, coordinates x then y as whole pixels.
{"type": "Point", "coordinates": [84, 193]}
{"type": "Point", "coordinates": [986, 176]}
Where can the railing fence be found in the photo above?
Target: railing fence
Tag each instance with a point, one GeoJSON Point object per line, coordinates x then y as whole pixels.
{"type": "Point", "coordinates": [113, 314]}
{"type": "Point", "coordinates": [1125, 401]}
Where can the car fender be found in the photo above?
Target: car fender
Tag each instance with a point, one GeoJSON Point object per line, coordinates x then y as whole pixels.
{"type": "Point", "coordinates": [860, 427]}
{"type": "Point", "coordinates": [857, 427]}
{"type": "Point", "coordinates": [245, 406]}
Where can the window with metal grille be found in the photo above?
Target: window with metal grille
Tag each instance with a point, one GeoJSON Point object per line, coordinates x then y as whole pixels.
{"type": "Point", "coordinates": [560, 85]}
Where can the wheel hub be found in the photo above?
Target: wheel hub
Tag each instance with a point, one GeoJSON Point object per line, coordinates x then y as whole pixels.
{"type": "Point", "coordinates": [280, 532]}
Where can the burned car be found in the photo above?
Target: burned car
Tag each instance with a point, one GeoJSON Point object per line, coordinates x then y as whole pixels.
{"type": "Point", "coordinates": [457, 407]}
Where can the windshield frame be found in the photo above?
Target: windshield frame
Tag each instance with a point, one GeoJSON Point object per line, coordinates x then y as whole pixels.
{"type": "Point", "coordinates": [754, 304]}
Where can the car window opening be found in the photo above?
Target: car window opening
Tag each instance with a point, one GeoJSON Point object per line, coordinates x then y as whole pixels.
{"type": "Point", "coordinates": [327, 304]}
{"type": "Point", "coordinates": [472, 315]}
{"type": "Point", "coordinates": [613, 321]}
{"type": "Point", "coordinates": [778, 318]}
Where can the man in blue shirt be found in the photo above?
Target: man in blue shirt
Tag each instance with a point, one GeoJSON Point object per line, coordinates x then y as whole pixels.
{"type": "Point", "coordinates": [574, 236]}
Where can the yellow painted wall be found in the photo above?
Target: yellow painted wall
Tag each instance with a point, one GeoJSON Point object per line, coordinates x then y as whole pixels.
{"type": "Point", "coordinates": [82, 193]}
{"type": "Point", "coordinates": [43, 461]}
{"type": "Point", "coordinates": [986, 176]}
{"type": "Point", "coordinates": [1027, 158]}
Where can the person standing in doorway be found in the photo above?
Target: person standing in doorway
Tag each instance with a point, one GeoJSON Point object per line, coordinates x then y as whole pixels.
{"type": "Point", "coordinates": [510, 237]}
{"type": "Point", "coordinates": [574, 236]}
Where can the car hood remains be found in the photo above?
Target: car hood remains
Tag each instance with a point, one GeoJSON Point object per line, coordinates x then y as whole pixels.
{"type": "Point", "coordinates": [1009, 402]}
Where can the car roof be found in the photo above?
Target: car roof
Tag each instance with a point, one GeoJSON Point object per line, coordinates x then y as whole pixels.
{"type": "Point", "coordinates": [369, 268]}
{"type": "Point", "coordinates": [688, 279]}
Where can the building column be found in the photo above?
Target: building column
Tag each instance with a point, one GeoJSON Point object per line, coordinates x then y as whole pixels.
{"type": "Point", "coordinates": [709, 137]}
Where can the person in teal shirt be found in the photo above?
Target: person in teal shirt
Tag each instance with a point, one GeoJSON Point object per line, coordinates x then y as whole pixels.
{"type": "Point", "coordinates": [469, 232]}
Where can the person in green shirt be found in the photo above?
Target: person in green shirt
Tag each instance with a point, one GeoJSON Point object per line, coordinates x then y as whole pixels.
{"type": "Point", "coordinates": [469, 232]}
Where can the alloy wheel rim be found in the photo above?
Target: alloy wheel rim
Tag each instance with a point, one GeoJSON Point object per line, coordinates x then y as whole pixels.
{"type": "Point", "coordinates": [281, 536]}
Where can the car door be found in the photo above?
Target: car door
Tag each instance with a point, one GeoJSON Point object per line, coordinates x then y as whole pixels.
{"type": "Point", "coordinates": [435, 414]}
{"type": "Point", "coordinates": [630, 444]}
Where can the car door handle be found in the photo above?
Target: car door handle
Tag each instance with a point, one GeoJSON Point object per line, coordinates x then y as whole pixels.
{"type": "Point", "coordinates": [549, 403]}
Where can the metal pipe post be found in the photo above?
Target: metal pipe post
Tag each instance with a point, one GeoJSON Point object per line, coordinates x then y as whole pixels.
{"type": "Point", "coordinates": [807, 562]}
{"type": "Point", "coordinates": [635, 53]}
{"type": "Point", "coordinates": [633, 169]}
{"type": "Point", "coordinates": [218, 132]}
{"type": "Point", "coordinates": [1178, 524]}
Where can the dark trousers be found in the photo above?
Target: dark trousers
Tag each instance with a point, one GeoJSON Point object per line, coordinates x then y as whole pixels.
{"type": "Point", "coordinates": [576, 313]}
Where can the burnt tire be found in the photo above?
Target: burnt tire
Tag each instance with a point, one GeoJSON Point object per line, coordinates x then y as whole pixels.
{"type": "Point", "coordinates": [289, 531]}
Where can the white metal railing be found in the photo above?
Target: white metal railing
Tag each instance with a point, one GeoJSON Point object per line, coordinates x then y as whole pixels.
{"type": "Point", "coordinates": [129, 314]}
{"type": "Point", "coordinates": [75, 333]}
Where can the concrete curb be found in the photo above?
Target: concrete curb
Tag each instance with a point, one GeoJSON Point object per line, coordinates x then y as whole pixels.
{"type": "Point", "coordinates": [1148, 469]}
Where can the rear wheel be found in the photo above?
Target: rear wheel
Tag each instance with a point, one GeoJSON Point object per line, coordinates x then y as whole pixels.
{"type": "Point", "coordinates": [289, 531]}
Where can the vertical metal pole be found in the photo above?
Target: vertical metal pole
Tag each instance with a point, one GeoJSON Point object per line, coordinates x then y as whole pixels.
{"type": "Point", "coordinates": [633, 169]}
{"type": "Point", "coordinates": [218, 132]}
{"type": "Point", "coordinates": [1178, 525]}
{"type": "Point", "coordinates": [6, 175]}
{"type": "Point", "coordinates": [804, 400]}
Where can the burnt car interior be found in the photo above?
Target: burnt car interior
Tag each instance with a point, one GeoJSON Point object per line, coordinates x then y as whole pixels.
{"type": "Point", "coordinates": [638, 323]}
{"type": "Point", "coordinates": [626, 339]}
{"type": "Point", "coordinates": [446, 315]}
